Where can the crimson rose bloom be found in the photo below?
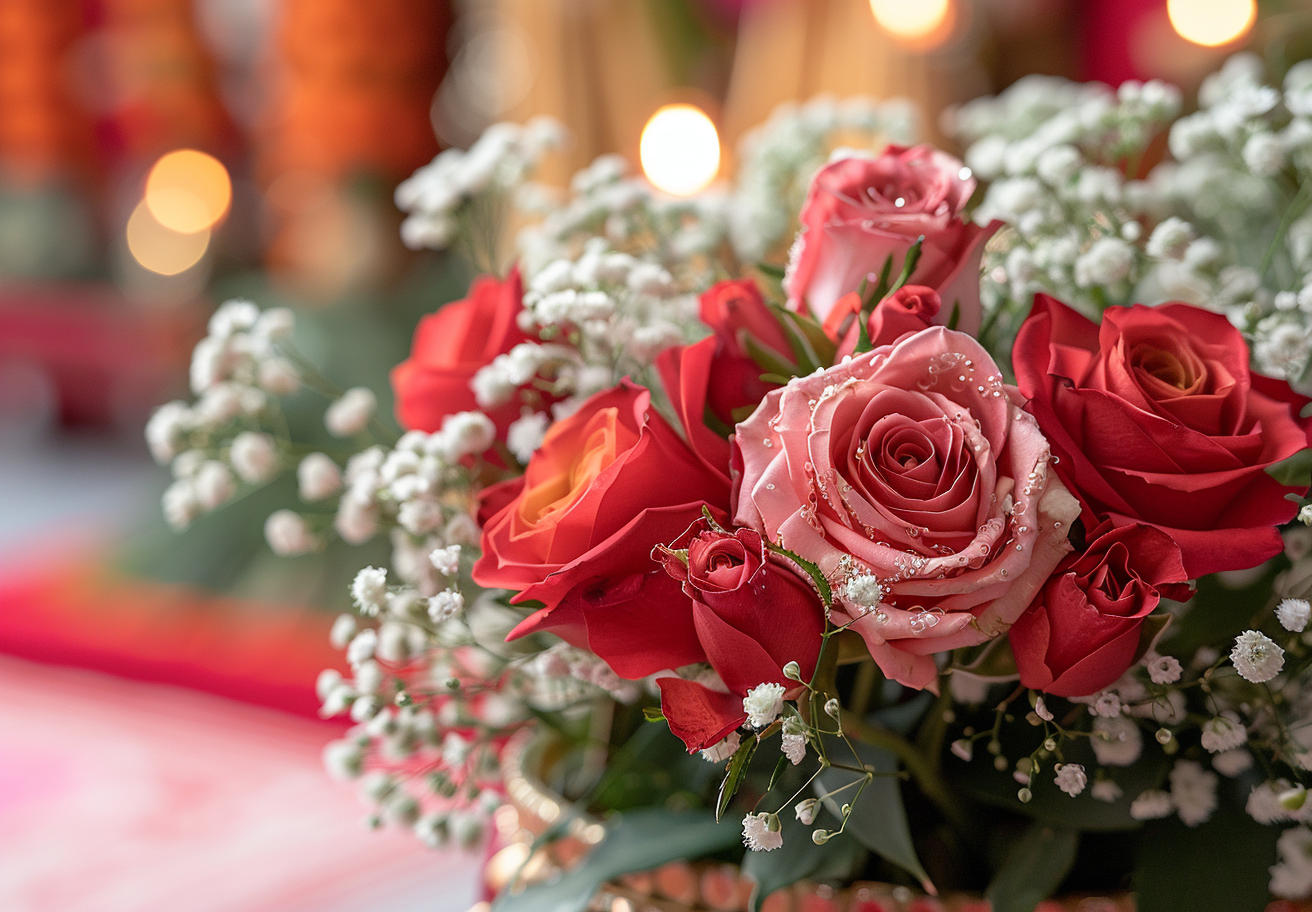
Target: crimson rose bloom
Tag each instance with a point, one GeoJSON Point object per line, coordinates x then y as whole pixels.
{"type": "Point", "coordinates": [576, 532]}
{"type": "Point", "coordinates": [1156, 418]}
{"type": "Point", "coordinates": [451, 346]}
{"type": "Point", "coordinates": [859, 212]}
{"type": "Point", "coordinates": [1082, 631]}
{"type": "Point", "coordinates": [753, 614]}
{"type": "Point", "coordinates": [735, 310]}
{"type": "Point", "coordinates": [910, 476]}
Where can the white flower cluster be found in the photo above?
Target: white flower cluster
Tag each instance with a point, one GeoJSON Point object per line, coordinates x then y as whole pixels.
{"type": "Point", "coordinates": [460, 191]}
{"type": "Point", "coordinates": [1239, 164]}
{"type": "Point", "coordinates": [217, 442]}
{"type": "Point", "coordinates": [600, 316]}
{"type": "Point", "coordinates": [778, 159]}
{"type": "Point", "coordinates": [608, 202]}
{"type": "Point", "coordinates": [1052, 151]}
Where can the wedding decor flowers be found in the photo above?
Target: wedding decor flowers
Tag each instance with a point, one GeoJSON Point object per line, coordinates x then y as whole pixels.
{"type": "Point", "coordinates": [964, 549]}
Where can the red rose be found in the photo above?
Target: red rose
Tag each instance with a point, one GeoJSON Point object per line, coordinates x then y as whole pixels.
{"type": "Point", "coordinates": [735, 310]}
{"type": "Point", "coordinates": [576, 532]}
{"type": "Point", "coordinates": [1156, 418]}
{"type": "Point", "coordinates": [1082, 632]}
{"type": "Point", "coordinates": [860, 212]}
{"type": "Point", "coordinates": [909, 309]}
{"type": "Point", "coordinates": [452, 345]}
{"type": "Point", "coordinates": [753, 614]}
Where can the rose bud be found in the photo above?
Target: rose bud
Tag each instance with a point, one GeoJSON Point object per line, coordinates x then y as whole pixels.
{"type": "Point", "coordinates": [909, 309]}
{"type": "Point", "coordinates": [753, 612]}
{"type": "Point", "coordinates": [1082, 632]}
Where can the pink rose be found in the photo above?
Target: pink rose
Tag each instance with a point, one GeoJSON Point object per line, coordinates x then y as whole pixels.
{"type": "Point", "coordinates": [910, 475]}
{"type": "Point", "coordinates": [859, 212]}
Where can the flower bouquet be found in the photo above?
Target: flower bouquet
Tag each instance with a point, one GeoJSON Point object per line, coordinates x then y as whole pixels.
{"type": "Point", "coordinates": [961, 554]}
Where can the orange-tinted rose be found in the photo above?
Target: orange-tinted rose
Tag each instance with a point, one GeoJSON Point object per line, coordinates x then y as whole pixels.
{"type": "Point", "coordinates": [576, 532]}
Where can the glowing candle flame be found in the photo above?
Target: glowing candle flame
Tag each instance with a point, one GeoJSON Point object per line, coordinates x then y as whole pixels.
{"type": "Point", "coordinates": [680, 150]}
{"type": "Point", "coordinates": [188, 191]}
{"type": "Point", "coordinates": [1212, 23]}
{"type": "Point", "coordinates": [918, 22]}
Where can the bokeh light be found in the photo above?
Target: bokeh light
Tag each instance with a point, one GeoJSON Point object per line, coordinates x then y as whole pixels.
{"type": "Point", "coordinates": [1212, 22]}
{"type": "Point", "coordinates": [680, 149]}
{"type": "Point", "coordinates": [160, 248]}
{"type": "Point", "coordinates": [188, 191]}
{"type": "Point", "coordinates": [919, 22]}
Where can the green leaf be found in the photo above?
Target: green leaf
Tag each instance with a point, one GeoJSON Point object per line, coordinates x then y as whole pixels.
{"type": "Point", "coordinates": [1221, 864]}
{"type": "Point", "coordinates": [773, 271]}
{"type": "Point", "coordinates": [880, 291]}
{"type": "Point", "coordinates": [653, 714]}
{"type": "Point", "coordinates": [798, 859]}
{"type": "Point", "coordinates": [809, 568]}
{"type": "Point", "coordinates": [767, 359]}
{"type": "Point", "coordinates": [879, 819]}
{"type": "Point", "coordinates": [638, 840]}
{"type": "Point", "coordinates": [908, 265]}
{"type": "Point", "coordinates": [733, 777]}
{"type": "Point", "coordinates": [956, 315]}
{"type": "Point", "coordinates": [1294, 472]}
{"type": "Point", "coordinates": [818, 348]}
{"type": "Point", "coordinates": [1035, 867]}
{"type": "Point", "coordinates": [779, 767]}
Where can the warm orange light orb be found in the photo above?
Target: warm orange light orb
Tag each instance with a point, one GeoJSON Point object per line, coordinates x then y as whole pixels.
{"type": "Point", "coordinates": [188, 191]}
{"type": "Point", "coordinates": [161, 249]}
{"type": "Point", "coordinates": [1212, 22]}
{"type": "Point", "coordinates": [914, 21]}
{"type": "Point", "coordinates": [680, 149]}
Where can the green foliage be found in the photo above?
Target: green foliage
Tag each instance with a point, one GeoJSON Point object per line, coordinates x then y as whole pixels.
{"type": "Point", "coordinates": [733, 777]}
{"type": "Point", "coordinates": [879, 818]}
{"type": "Point", "coordinates": [1294, 472]}
{"type": "Point", "coordinates": [1035, 867]}
{"type": "Point", "coordinates": [638, 840]}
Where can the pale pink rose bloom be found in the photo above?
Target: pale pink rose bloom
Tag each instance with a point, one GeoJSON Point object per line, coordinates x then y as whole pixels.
{"type": "Point", "coordinates": [859, 212]}
{"type": "Point", "coordinates": [913, 463]}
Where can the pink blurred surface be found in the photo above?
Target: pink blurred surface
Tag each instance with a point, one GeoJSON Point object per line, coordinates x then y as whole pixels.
{"type": "Point", "coordinates": [117, 795]}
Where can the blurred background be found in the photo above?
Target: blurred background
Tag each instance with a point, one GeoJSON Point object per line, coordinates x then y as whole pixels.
{"type": "Point", "coordinates": [160, 743]}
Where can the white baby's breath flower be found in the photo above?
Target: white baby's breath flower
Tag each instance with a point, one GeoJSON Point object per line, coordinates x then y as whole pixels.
{"type": "Point", "coordinates": [806, 810]}
{"type": "Point", "coordinates": [1193, 792]}
{"type": "Point", "coordinates": [214, 484]}
{"type": "Point", "coordinates": [1106, 704]}
{"type": "Point", "coordinates": [525, 434]}
{"type": "Point", "coordinates": [255, 456]}
{"type": "Point", "coordinates": [1106, 262]}
{"type": "Point", "coordinates": [1151, 804]}
{"type": "Point", "coordinates": [446, 560]}
{"type": "Point", "coordinates": [318, 477]}
{"type": "Point", "coordinates": [762, 832]}
{"type": "Point", "coordinates": [763, 704]}
{"type": "Point", "coordinates": [722, 750]}
{"type": "Point", "coordinates": [344, 627]}
{"type": "Point", "coordinates": [1257, 658]}
{"type": "Point", "coordinates": [793, 747]}
{"type": "Point", "coordinates": [356, 520]}
{"type": "Point", "coordinates": [1293, 614]}
{"type": "Point", "coordinates": [278, 376]}
{"type": "Point", "coordinates": [1106, 790]}
{"type": "Point", "coordinates": [165, 430]}
{"type": "Point", "coordinates": [1071, 778]}
{"type": "Point", "coordinates": [1116, 741]}
{"type": "Point", "coordinates": [1164, 669]}
{"type": "Point", "coordinates": [362, 646]}
{"type": "Point", "coordinates": [445, 605]}
{"type": "Point", "coordinates": [1223, 733]}
{"type": "Point", "coordinates": [1232, 762]}
{"type": "Point", "coordinates": [1041, 710]}
{"type": "Point", "coordinates": [963, 749]}
{"type": "Point", "coordinates": [181, 505]}
{"type": "Point", "coordinates": [288, 535]}
{"type": "Point", "coordinates": [350, 414]}
{"type": "Point", "coordinates": [369, 590]}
